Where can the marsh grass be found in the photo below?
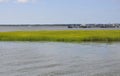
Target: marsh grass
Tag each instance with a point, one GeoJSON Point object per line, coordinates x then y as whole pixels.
{"type": "Point", "coordinates": [62, 35]}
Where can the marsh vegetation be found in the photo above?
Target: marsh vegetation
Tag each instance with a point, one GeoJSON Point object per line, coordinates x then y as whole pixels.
{"type": "Point", "coordinates": [62, 35]}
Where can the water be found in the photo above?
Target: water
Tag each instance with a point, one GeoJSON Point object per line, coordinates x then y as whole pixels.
{"type": "Point", "coordinates": [33, 28]}
{"type": "Point", "coordinates": [59, 59]}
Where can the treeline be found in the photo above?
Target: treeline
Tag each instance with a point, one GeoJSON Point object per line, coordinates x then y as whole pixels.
{"type": "Point", "coordinates": [70, 25]}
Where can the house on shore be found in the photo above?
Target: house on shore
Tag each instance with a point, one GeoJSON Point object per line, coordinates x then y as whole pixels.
{"type": "Point", "coordinates": [94, 26]}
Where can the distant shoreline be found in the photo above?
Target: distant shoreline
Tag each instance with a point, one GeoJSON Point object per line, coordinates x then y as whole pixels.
{"type": "Point", "coordinates": [5, 28]}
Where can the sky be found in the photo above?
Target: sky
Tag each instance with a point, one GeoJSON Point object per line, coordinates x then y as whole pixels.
{"type": "Point", "coordinates": [59, 11]}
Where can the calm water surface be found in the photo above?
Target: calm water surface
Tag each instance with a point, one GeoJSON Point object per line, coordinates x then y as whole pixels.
{"type": "Point", "coordinates": [37, 28]}
{"type": "Point", "coordinates": [59, 59]}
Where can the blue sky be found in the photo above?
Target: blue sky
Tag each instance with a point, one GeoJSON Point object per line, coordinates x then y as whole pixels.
{"type": "Point", "coordinates": [59, 11]}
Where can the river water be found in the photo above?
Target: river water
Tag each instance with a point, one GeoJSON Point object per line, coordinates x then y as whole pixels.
{"type": "Point", "coordinates": [59, 59]}
{"type": "Point", "coordinates": [37, 28]}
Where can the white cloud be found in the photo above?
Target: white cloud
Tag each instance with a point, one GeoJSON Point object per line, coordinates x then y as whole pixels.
{"type": "Point", "coordinates": [3, 1]}
{"type": "Point", "coordinates": [18, 1]}
{"type": "Point", "coordinates": [23, 1]}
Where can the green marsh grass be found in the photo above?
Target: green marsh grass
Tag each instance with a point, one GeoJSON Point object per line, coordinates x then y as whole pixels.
{"type": "Point", "coordinates": [62, 35]}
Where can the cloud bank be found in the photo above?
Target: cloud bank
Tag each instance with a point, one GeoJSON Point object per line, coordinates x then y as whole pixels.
{"type": "Point", "coordinates": [19, 1]}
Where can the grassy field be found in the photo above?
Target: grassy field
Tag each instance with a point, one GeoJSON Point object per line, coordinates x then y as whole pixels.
{"type": "Point", "coordinates": [63, 36]}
